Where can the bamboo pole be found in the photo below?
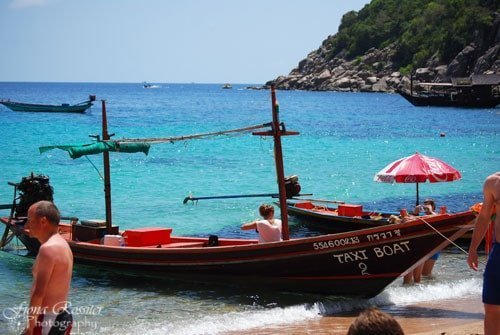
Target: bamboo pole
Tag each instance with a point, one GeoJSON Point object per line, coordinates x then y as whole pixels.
{"type": "Point", "coordinates": [278, 157]}
{"type": "Point", "coordinates": [107, 173]}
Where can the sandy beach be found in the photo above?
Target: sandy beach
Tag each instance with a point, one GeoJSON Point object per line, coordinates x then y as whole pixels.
{"type": "Point", "coordinates": [450, 317]}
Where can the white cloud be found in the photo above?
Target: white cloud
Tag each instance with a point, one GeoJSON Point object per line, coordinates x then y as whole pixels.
{"type": "Point", "coordinates": [28, 3]}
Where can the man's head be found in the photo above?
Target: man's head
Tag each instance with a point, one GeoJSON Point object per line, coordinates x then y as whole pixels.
{"type": "Point", "coordinates": [375, 322]}
{"type": "Point", "coordinates": [266, 211]}
{"type": "Point", "coordinates": [43, 218]}
{"type": "Point", "coordinates": [430, 202]}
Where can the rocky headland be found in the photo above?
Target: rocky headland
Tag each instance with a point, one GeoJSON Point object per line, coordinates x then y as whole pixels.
{"type": "Point", "coordinates": [376, 69]}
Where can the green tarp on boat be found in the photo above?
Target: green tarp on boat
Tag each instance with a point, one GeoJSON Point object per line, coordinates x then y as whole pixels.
{"type": "Point", "coordinates": [76, 151]}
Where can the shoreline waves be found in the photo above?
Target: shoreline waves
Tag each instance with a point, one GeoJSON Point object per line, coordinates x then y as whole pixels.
{"type": "Point", "coordinates": [450, 317]}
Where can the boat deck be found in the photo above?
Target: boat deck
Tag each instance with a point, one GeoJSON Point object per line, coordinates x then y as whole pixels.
{"type": "Point", "coordinates": [153, 237]}
{"type": "Point", "coordinates": [334, 212]}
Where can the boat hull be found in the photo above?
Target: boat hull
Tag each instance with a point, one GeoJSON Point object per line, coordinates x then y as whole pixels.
{"type": "Point", "coordinates": [325, 219]}
{"type": "Point", "coordinates": [447, 100]}
{"type": "Point", "coordinates": [359, 263]}
{"type": "Point", "coordinates": [23, 107]}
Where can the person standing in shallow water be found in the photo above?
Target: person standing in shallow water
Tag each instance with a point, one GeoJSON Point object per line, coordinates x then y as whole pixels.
{"type": "Point", "coordinates": [52, 272]}
{"type": "Point", "coordinates": [491, 282]}
{"type": "Point", "coordinates": [269, 229]}
{"type": "Point", "coordinates": [428, 208]}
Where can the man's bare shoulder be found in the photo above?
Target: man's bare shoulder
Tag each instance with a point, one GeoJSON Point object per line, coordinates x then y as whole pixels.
{"type": "Point", "coordinates": [56, 240]}
{"type": "Point", "coordinates": [492, 182]}
{"type": "Point", "coordinates": [55, 246]}
{"type": "Point", "coordinates": [493, 177]}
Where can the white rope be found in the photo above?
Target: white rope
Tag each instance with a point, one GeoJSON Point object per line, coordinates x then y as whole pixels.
{"type": "Point", "coordinates": [446, 238]}
{"type": "Point", "coordinates": [451, 242]}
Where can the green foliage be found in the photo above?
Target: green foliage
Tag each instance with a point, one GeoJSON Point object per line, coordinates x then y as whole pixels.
{"type": "Point", "coordinates": [418, 28]}
{"type": "Point", "coordinates": [405, 71]}
{"type": "Point", "coordinates": [358, 60]}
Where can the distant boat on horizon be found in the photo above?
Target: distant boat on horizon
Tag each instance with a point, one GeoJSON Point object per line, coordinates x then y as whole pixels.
{"type": "Point", "coordinates": [145, 84]}
{"type": "Point", "coordinates": [227, 86]}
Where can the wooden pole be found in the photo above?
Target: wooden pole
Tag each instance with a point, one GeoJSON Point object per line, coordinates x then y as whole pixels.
{"type": "Point", "coordinates": [411, 83]}
{"type": "Point", "coordinates": [3, 242]}
{"type": "Point", "coordinates": [107, 174]}
{"type": "Point", "coordinates": [276, 132]}
{"type": "Point", "coordinates": [417, 196]}
{"type": "Point", "coordinates": [278, 157]}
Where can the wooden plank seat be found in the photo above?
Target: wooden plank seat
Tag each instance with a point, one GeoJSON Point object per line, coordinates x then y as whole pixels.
{"type": "Point", "coordinates": [177, 245]}
{"type": "Point", "coordinates": [184, 245]}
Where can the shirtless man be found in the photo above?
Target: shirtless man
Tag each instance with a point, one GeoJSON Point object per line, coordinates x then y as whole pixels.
{"type": "Point", "coordinates": [491, 287]}
{"type": "Point", "coordinates": [51, 273]}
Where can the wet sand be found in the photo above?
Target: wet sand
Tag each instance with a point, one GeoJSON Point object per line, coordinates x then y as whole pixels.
{"type": "Point", "coordinates": [450, 317]}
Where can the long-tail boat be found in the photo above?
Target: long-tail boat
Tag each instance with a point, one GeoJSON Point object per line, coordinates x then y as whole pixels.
{"type": "Point", "coordinates": [62, 108]}
{"type": "Point", "coordinates": [335, 216]}
{"type": "Point", "coordinates": [357, 263]}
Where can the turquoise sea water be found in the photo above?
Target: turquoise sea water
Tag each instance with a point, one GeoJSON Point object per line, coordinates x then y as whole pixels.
{"type": "Point", "coordinates": [345, 138]}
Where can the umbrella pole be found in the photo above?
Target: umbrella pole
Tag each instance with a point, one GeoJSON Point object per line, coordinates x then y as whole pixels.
{"type": "Point", "coordinates": [417, 195]}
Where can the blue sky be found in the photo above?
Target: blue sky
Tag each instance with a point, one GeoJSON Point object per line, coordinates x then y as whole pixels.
{"type": "Point", "coordinates": [202, 41]}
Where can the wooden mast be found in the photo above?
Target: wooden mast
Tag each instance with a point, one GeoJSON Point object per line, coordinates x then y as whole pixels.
{"type": "Point", "coordinates": [107, 174]}
{"type": "Point", "coordinates": [277, 132]}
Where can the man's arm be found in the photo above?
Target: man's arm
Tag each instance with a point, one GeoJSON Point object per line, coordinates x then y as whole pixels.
{"type": "Point", "coordinates": [250, 225]}
{"type": "Point", "coordinates": [482, 223]}
{"type": "Point", "coordinates": [41, 276]}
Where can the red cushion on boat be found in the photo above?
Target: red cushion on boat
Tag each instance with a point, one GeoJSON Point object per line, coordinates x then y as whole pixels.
{"type": "Point", "coordinates": [350, 210]}
{"type": "Point", "coordinates": [140, 237]}
{"type": "Point", "coordinates": [305, 205]}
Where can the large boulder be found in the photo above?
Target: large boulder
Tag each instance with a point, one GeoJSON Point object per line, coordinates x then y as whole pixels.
{"type": "Point", "coordinates": [424, 74]}
{"type": "Point", "coordinates": [380, 86]}
{"type": "Point", "coordinates": [344, 82]}
{"type": "Point", "coordinates": [486, 61]}
{"type": "Point", "coordinates": [463, 62]}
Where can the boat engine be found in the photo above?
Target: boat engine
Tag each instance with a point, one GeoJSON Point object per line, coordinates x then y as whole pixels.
{"type": "Point", "coordinates": [32, 189]}
{"type": "Point", "coordinates": [292, 186]}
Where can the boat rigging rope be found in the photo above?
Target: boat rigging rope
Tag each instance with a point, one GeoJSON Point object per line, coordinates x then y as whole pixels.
{"type": "Point", "coordinates": [95, 167]}
{"type": "Point", "coordinates": [188, 137]}
{"type": "Point", "coordinates": [446, 238]}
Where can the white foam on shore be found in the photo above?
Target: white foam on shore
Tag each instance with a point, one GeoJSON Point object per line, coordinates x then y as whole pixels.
{"type": "Point", "coordinates": [395, 295]}
{"type": "Point", "coordinates": [214, 324]}
{"type": "Point", "coordinates": [406, 295]}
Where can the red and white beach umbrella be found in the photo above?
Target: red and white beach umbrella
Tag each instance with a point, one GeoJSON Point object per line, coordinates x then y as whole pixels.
{"type": "Point", "coordinates": [417, 168]}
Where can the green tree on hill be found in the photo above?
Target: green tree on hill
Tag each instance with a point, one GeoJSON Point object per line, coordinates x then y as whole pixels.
{"type": "Point", "coordinates": [419, 29]}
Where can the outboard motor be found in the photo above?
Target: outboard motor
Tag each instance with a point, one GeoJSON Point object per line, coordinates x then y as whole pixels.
{"type": "Point", "coordinates": [33, 189]}
{"type": "Point", "coordinates": [292, 186]}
